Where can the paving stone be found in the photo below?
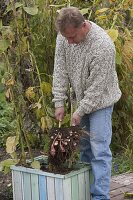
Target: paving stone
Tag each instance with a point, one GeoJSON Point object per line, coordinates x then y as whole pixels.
{"type": "Point", "coordinates": [130, 186]}
{"type": "Point", "coordinates": [115, 185]}
{"type": "Point", "coordinates": [129, 174]}
{"type": "Point", "coordinates": [120, 184]}
{"type": "Point", "coordinates": [119, 197]}
{"type": "Point", "coordinates": [119, 191]}
{"type": "Point", "coordinates": [124, 179]}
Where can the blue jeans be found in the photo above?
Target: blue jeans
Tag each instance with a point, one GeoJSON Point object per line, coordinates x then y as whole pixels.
{"type": "Point", "coordinates": [94, 149]}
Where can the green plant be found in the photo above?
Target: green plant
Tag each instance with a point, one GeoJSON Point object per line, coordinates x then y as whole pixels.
{"type": "Point", "coordinates": [122, 162]}
{"type": "Point", "coordinates": [7, 123]}
{"type": "Point", "coordinates": [24, 86]}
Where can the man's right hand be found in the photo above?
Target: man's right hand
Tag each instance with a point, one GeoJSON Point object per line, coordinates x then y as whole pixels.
{"type": "Point", "coordinates": [59, 113]}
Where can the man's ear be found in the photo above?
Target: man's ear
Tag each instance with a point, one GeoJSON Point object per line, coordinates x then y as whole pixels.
{"type": "Point", "coordinates": [84, 24]}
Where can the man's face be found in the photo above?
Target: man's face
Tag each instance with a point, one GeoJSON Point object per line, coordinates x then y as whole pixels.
{"type": "Point", "coordinates": [74, 35]}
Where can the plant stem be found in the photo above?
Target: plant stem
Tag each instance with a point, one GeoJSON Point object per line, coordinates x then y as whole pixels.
{"type": "Point", "coordinates": [69, 3]}
{"type": "Point", "coordinates": [28, 145]}
{"type": "Point", "coordinates": [91, 9]}
{"type": "Point", "coordinates": [39, 78]}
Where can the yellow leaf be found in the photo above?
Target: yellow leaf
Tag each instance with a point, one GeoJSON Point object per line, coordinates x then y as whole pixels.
{"type": "Point", "coordinates": [11, 144]}
{"type": "Point", "coordinates": [113, 34]}
{"type": "Point", "coordinates": [10, 82]}
{"type": "Point", "coordinates": [7, 163]}
{"type": "Point", "coordinates": [102, 17]}
{"type": "Point", "coordinates": [39, 113]}
{"type": "Point", "coordinates": [131, 13]}
{"type": "Point", "coordinates": [43, 124]}
{"type": "Point", "coordinates": [101, 11]}
{"type": "Point", "coordinates": [35, 164]}
{"type": "Point", "coordinates": [49, 122]}
{"type": "Point", "coordinates": [84, 11]}
{"type": "Point", "coordinates": [46, 88]}
{"type": "Point", "coordinates": [3, 81]}
{"type": "Point", "coordinates": [29, 93]}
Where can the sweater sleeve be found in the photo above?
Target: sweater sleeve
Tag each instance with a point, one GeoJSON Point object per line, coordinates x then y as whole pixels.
{"type": "Point", "coordinates": [101, 65]}
{"type": "Point", "coordinates": [60, 76]}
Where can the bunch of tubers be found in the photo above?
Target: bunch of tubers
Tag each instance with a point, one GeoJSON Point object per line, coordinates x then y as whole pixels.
{"type": "Point", "coordinates": [64, 142]}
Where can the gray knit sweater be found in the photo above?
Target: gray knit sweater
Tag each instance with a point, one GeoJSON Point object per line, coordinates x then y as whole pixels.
{"type": "Point", "coordinates": [90, 68]}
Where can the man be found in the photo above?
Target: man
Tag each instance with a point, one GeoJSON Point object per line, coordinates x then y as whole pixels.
{"type": "Point", "coordinates": [85, 58]}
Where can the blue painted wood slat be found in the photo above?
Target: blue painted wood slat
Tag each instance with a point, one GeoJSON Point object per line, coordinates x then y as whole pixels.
{"type": "Point", "coordinates": [27, 186]}
{"type": "Point", "coordinates": [87, 186]}
{"type": "Point", "coordinates": [67, 189]}
{"type": "Point", "coordinates": [17, 185]}
{"type": "Point", "coordinates": [75, 188]}
{"type": "Point", "coordinates": [43, 188]}
{"type": "Point", "coordinates": [34, 187]}
{"type": "Point", "coordinates": [51, 188]}
{"type": "Point", "coordinates": [59, 189]}
{"type": "Point", "coordinates": [81, 181]}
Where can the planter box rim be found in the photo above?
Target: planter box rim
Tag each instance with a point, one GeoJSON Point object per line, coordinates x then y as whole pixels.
{"type": "Point", "coordinates": [40, 172]}
{"type": "Point", "coordinates": [82, 168]}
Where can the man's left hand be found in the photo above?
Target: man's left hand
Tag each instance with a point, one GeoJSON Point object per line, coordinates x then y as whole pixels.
{"type": "Point", "coordinates": [75, 119]}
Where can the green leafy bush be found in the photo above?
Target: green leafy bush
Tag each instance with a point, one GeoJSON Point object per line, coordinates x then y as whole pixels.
{"type": "Point", "coordinates": [7, 121]}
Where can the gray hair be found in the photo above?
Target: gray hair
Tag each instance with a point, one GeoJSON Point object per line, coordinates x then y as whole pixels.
{"type": "Point", "coordinates": [69, 16]}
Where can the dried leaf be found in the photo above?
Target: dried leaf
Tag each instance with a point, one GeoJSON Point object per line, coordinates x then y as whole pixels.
{"type": "Point", "coordinates": [8, 95]}
{"type": "Point", "coordinates": [29, 93]}
{"type": "Point", "coordinates": [11, 144]}
{"type": "Point", "coordinates": [10, 82]}
{"type": "Point", "coordinates": [49, 122]}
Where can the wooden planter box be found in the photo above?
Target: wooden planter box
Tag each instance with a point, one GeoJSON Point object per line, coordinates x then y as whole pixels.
{"type": "Point", "coordinates": [33, 184]}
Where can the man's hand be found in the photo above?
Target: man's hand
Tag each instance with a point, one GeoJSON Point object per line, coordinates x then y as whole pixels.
{"type": "Point", "coordinates": [75, 119]}
{"type": "Point", "coordinates": [59, 113]}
